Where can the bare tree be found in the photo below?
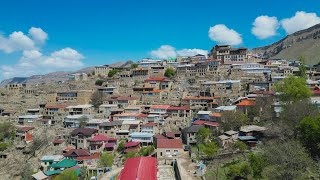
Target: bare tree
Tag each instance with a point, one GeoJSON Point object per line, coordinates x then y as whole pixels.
{"type": "Point", "coordinates": [97, 99]}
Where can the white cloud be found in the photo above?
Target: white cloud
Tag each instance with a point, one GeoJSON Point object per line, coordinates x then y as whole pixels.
{"type": "Point", "coordinates": [223, 35]}
{"type": "Point", "coordinates": [191, 52]}
{"type": "Point", "coordinates": [167, 51]}
{"type": "Point", "coordinates": [34, 62]}
{"type": "Point", "coordinates": [164, 52]}
{"type": "Point", "coordinates": [16, 41]}
{"type": "Point", "coordinates": [38, 35]}
{"type": "Point", "coordinates": [265, 27]}
{"type": "Point", "coordinates": [301, 20]}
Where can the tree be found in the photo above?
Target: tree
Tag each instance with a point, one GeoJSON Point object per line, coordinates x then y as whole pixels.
{"type": "Point", "coordinates": [286, 159]}
{"type": "Point", "coordinates": [83, 173]}
{"type": "Point", "coordinates": [7, 131]}
{"type": "Point", "coordinates": [263, 108]}
{"type": "Point", "coordinates": [233, 120]}
{"type": "Point", "coordinates": [67, 174]}
{"type": "Point", "coordinates": [26, 172]}
{"type": "Point", "coordinates": [113, 72]}
{"type": "Point", "coordinates": [302, 68]}
{"type": "Point", "coordinates": [241, 146]}
{"type": "Point", "coordinates": [309, 135]}
{"type": "Point", "coordinates": [169, 72]}
{"type": "Point", "coordinates": [97, 99]}
{"type": "Point", "coordinates": [146, 151]}
{"type": "Point", "coordinates": [209, 150]}
{"type": "Point", "coordinates": [293, 89]}
{"type": "Point", "coordinates": [257, 164]}
{"type": "Point", "coordinates": [202, 135]}
{"type": "Point", "coordinates": [120, 146]}
{"type": "Point", "coordinates": [106, 160]}
{"type": "Point", "coordinates": [83, 121]}
{"type": "Point", "coordinates": [131, 155]}
{"type": "Point", "coordinates": [134, 66]}
{"type": "Point", "coordinates": [293, 114]}
{"type": "Point", "coordinates": [239, 171]}
{"type": "Point", "coordinates": [99, 82]}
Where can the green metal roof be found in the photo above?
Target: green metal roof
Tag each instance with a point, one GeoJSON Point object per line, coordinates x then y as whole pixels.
{"type": "Point", "coordinates": [54, 172]}
{"type": "Point", "coordinates": [65, 163]}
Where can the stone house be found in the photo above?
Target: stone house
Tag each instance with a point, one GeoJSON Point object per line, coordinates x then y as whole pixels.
{"type": "Point", "coordinates": [80, 137]}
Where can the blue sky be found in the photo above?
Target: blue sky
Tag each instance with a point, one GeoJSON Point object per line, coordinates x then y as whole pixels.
{"type": "Point", "coordinates": [100, 32]}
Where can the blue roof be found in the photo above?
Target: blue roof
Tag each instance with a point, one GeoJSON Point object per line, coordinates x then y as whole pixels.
{"type": "Point", "coordinates": [247, 138]}
{"type": "Point", "coordinates": [140, 134]}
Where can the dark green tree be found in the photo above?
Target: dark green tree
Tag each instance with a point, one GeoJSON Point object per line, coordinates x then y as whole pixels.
{"type": "Point", "coordinates": [99, 82]}
{"type": "Point", "coordinates": [257, 164]}
{"type": "Point", "coordinates": [202, 135]}
{"type": "Point", "coordinates": [309, 135]}
{"type": "Point", "coordinates": [169, 72]}
{"type": "Point", "coordinates": [239, 171]}
{"type": "Point", "coordinates": [209, 150]}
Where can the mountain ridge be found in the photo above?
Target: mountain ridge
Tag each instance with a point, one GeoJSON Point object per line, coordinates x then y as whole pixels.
{"type": "Point", "coordinates": [305, 43]}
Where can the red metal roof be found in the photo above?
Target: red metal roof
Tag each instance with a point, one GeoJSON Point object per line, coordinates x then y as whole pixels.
{"type": "Point", "coordinates": [77, 153]}
{"type": "Point", "coordinates": [160, 106]}
{"type": "Point", "coordinates": [28, 137]}
{"type": "Point", "coordinates": [149, 124]}
{"type": "Point", "coordinates": [100, 137]}
{"type": "Point", "coordinates": [169, 143]}
{"type": "Point", "coordinates": [110, 145]}
{"type": "Point", "coordinates": [25, 129]}
{"type": "Point", "coordinates": [246, 102]}
{"type": "Point", "coordinates": [159, 136]}
{"type": "Point", "coordinates": [142, 168]}
{"type": "Point", "coordinates": [172, 108]}
{"type": "Point", "coordinates": [131, 144]}
{"type": "Point", "coordinates": [94, 156]}
{"type": "Point", "coordinates": [201, 122]}
{"type": "Point", "coordinates": [316, 92]}
{"type": "Point", "coordinates": [155, 79]}
{"type": "Point", "coordinates": [142, 115]}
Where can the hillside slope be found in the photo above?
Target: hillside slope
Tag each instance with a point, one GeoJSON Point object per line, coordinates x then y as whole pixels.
{"type": "Point", "coordinates": [50, 77]}
{"type": "Point", "coordinates": [304, 43]}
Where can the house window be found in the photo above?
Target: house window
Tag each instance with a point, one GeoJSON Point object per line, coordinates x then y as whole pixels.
{"type": "Point", "coordinates": [175, 152]}
{"type": "Point", "coordinates": [167, 152]}
{"type": "Point", "coordinates": [160, 153]}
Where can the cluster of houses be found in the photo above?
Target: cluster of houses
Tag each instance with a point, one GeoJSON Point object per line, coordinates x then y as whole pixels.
{"type": "Point", "coordinates": [140, 107]}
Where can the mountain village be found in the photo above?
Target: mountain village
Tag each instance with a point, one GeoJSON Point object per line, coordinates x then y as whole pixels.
{"type": "Point", "coordinates": [178, 118]}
